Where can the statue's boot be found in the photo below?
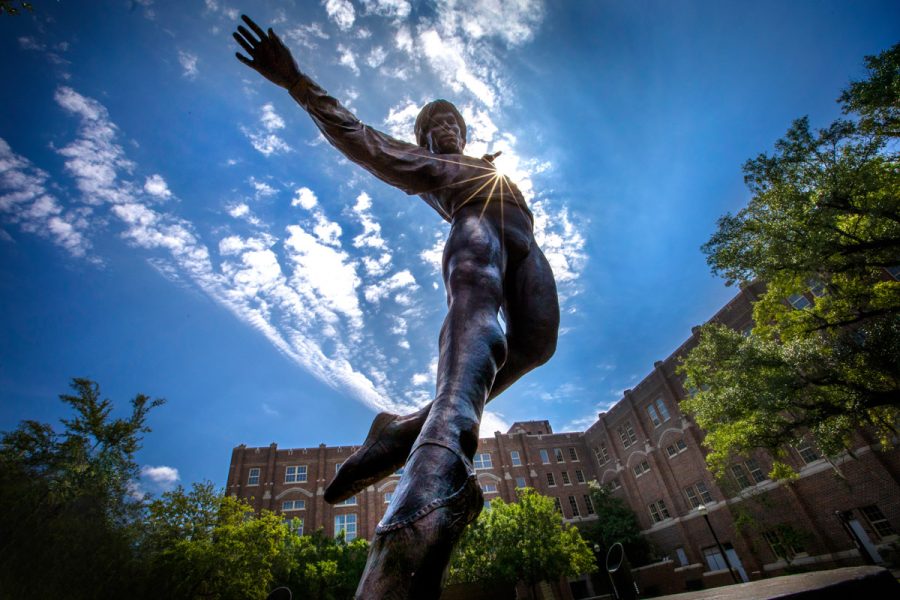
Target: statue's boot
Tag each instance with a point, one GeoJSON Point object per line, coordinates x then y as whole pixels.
{"type": "Point", "coordinates": [438, 496]}
{"type": "Point", "coordinates": [384, 451]}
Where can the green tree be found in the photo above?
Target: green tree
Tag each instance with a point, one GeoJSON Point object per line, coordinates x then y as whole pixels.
{"type": "Point", "coordinates": [522, 541]}
{"type": "Point", "coordinates": [202, 544]}
{"type": "Point", "coordinates": [320, 567]}
{"type": "Point", "coordinates": [66, 512]}
{"type": "Point", "coordinates": [822, 230]}
{"type": "Point", "coordinates": [616, 522]}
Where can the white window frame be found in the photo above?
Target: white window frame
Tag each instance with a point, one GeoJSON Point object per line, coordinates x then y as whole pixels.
{"type": "Point", "coordinates": [573, 454]}
{"type": "Point", "coordinates": [551, 480]}
{"type": "Point", "coordinates": [253, 476]}
{"type": "Point", "coordinates": [297, 475]}
{"type": "Point", "coordinates": [515, 459]}
{"type": "Point", "coordinates": [489, 488]}
{"type": "Point", "coordinates": [579, 476]}
{"type": "Point", "coordinates": [558, 455]}
{"type": "Point", "coordinates": [545, 456]}
{"type": "Point", "coordinates": [483, 461]}
{"type": "Point", "coordinates": [588, 504]}
{"type": "Point", "coordinates": [565, 478]}
{"type": "Point", "coordinates": [663, 410]}
{"type": "Point", "coordinates": [351, 501]}
{"type": "Point", "coordinates": [522, 481]}
{"type": "Point", "coordinates": [574, 504]}
{"type": "Point", "coordinates": [654, 417]}
{"type": "Point", "coordinates": [602, 453]}
{"type": "Point", "coordinates": [347, 523]}
{"type": "Point", "coordinates": [293, 505]}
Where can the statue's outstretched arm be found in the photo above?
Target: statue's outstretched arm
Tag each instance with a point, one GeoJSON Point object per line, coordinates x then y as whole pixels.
{"type": "Point", "coordinates": [408, 167]}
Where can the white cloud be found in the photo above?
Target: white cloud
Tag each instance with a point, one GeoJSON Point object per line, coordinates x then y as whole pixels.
{"type": "Point", "coordinates": [262, 189]}
{"type": "Point", "coordinates": [341, 12]}
{"type": "Point", "coordinates": [305, 198]}
{"type": "Point", "coordinates": [25, 200]}
{"type": "Point", "coordinates": [163, 477]}
{"type": "Point", "coordinates": [306, 35]}
{"type": "Point", "coordinates": [394, 9]}
{"type": "Point", "coordinates": [377, 260]}
{"type": "Point", "coordinates": [188, 64]}
{"type": "Point", "coordinates": [492, 422]}
{"type": "Point", "coordinates": [347, 59]}
{"type": "Point", "coordinates": [270, 119]}
{"type": "Point", "coordinates": [156, 186]}
{"type": "Point", "coordinates": [446, 57]}
{"type": "Point", "coordinates": [401, 120]}
{"type": "Point", "coordinates": [402, 281]}
{"type": "Point", "coordinates": [376, 57]}
{"type": "Point", "coordinates": [264, 140]}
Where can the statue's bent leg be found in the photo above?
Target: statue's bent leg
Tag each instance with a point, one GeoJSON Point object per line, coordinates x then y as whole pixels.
{"type": "Point", "coordinates": [438, 493]}
{"type": "Point", "coordinates": [531, 310]}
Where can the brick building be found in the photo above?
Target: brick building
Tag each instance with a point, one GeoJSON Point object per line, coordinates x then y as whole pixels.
{"type": "Point", "coordinates": [650, 454]}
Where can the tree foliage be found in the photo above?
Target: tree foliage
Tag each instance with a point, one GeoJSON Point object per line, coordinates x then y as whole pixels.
{"type": "Point", "coordinates": [523, 541]}
{"type": "Point", "coordinates": [616, 522]}
{"type": "Point", "coordinates": [73, 526]}
{"type": "Point", "coordinates": [822, 229]}
{"type": "Point", "coordinates": [66, 515]}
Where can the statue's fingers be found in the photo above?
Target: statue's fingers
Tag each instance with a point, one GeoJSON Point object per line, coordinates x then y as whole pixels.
{"type": "Point", "coordinates": [244, 60]}
{"type": "Point", "coordinates": [256, 28]}
{"type": "Point", "coordinates": [248, 36]}
{"type": "Point", "coordinates": [243, 43]}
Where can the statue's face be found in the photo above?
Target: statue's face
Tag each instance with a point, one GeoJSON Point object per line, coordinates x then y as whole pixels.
{"type": "Point", "coordinates": [443, 133]}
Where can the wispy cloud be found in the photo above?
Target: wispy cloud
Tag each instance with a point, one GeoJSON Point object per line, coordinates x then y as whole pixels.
{"type": "Point", "coordinates": [188, 63]}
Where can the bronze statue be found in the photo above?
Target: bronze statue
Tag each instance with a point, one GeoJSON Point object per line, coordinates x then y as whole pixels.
{"type": "Point", "coordinates": [491, 264]}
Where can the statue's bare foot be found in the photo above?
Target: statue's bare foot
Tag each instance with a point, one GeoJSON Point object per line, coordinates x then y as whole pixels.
{"type": "Point", "coordinates": [437, 497]}
{"type": "Point", "coordinates": [383, 452]}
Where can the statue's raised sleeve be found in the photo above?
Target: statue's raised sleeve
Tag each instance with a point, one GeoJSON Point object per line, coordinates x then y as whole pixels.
{"type": "Point", "coordinates": [405, 166]}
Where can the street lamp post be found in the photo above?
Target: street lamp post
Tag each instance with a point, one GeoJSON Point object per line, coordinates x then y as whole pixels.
{"type": "Point", "coordinates": [702, 510]}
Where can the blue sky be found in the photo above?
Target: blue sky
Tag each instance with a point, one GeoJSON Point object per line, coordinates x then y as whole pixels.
{"type": "Point", "coordinates": [173, 224]}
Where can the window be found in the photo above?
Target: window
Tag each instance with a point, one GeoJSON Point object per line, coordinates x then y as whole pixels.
{"type": "Point", "coordinates": [602, 454]}
{"type": "Point", "coordinates": [520, 482]}
{"type": "Point", "coordinates": [514, 456]}
{"type": "Point", "coordinates": [806, 452]}
{"type": "Point", "coordinates": [573, 455]}
{"type": "Point", "coordinates": [557, 504]}
{"type": "Point", "coordinates": [253, 479]}
{"type": "Point", "coordinates": [351, 501]}
{"type": "Point", "coordinates": [489, 488]}
{"type": "Point", "coordinates": [295, 474]}
{"type": "Point", "coordinates": [588, 505]}
{"type": "Point", "coordinates": [574, 504]}
{"type": "Point", "coordinates": [337, 467]}
{"type": "Point", "coordinates": [653, 416]}
{"type": "Point", "coordinates": [817, 288]}
{"type": "Point", "coordinates": [626, 434]}
{"type": "Point", "coordinates": [799, 301]}
{"type": "Point", "coordinates": [714, 558]}
{"type": "Point", "coordinates": [559, 455]}
{"type": "Point", "coordinates": [740, 475]}
{"type": "Point", "coordinates": [388, 496]}
{"type": "Point", "coordinates": [483, 461]}
{"type": "Point", "coordinates": [755, 471]}
{"type": "Point", "coordinates": [579, 476]}
{"type": "Point", "coordinates": [293, 505]}
{"type": "Point", "coordinates": [682, 557]}
{"type": "Point", "coordinates": [691, 495]}
{"type": "Point", "coordinates": [550, 481]}
{"type": "Point", "coordinates": [347, 524]}
{"type": "Point", "coordinates": [676, 448]}
{"type": "Point", "coordinates": [658, 511]}
{"type": "Point", "coordinates": [487, 505]}
{"type": "Point", "coordinates": [704, 492]}
{"type": "Point", "coordinates": [780, 544]}
{"type": "Point", "coordinates": [565, 478]}
{"type": "Point", "coordinates": [877, 520]}
{"type": "Point", "coordinates": [698, 494]}
{"type": "Point", "coordinates": [663, 411]}
{"type": "Point", "coordinates": [613, 484]}
{"type": "Point", "coordinates": [545, 457]}
{"type": "Point", "coordinates": [295, 525]}
{"type": "Point", "coordinates": [641, 468]}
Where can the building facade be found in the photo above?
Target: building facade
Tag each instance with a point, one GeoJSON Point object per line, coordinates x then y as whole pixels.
{"type": "Point", "coordinates": [648, 453]}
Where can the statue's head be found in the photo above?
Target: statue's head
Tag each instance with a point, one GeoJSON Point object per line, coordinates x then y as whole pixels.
{"type": "Point", "coordinates": [441, 128]}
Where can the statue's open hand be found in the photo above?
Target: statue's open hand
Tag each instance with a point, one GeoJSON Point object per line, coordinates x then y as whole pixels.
{"type": "Point", "coordinates": [268, 54]}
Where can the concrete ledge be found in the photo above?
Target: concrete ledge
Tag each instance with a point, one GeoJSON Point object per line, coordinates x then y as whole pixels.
{"type": "Point", "coordinates": [836, 584]}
